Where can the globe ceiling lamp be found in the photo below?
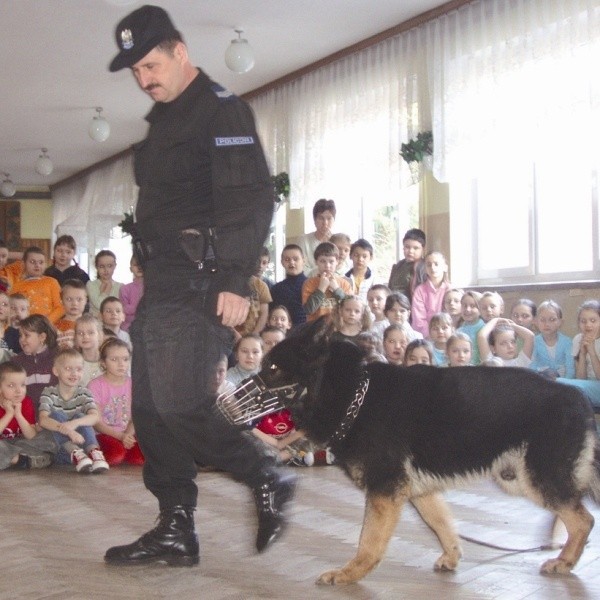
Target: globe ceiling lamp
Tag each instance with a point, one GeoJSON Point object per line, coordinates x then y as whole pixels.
{"type": "Point", "coordinates": [43, 165]}
{"type": "Point", "coordinates": [7, 187]}
{"type": "Point", "coordinates": [99, 128]}
{"type": "Point", "coordinates": [239, 56]}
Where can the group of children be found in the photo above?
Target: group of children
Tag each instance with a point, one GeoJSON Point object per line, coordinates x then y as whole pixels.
{"type": "Point", "coordinates": [418, 317]}
{"type": "Point", "coordinates": [65, 385]}
{"type": "Point", "coordinates": [67, 363]}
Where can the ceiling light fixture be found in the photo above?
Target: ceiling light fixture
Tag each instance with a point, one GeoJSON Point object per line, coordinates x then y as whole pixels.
{"type": "Point", "coordinates": [43, 165]}
{"type": "Point", "coordinates": [239, 56]}
{"type": "Point", "coordinates": [7, 188]}
{"type": "Point", "coordinates": [99, 128]}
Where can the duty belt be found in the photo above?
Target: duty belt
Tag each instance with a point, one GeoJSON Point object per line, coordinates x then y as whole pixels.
{"type": "Point", "coordinates": [194, 244]}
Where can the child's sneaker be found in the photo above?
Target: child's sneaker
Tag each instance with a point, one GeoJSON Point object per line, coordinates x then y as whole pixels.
{"type": "Point", "coordinates": [300, 458]}
{"type": "Point", "coordinates": [82, 462]}
{"type": "Point", "coordinates": [324, 457]}
{"type": "Point", "coordinates": [99, 464]}
{"type": "Point", "coordinates": [39, 461]}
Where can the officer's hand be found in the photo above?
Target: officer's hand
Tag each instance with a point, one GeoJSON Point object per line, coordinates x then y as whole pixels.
{"type": "Point", "coordinates": [232, 309]}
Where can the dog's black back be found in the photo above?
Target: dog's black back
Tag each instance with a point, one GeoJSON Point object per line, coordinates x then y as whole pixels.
{"type": "Point", "coordinates": [440, 422]}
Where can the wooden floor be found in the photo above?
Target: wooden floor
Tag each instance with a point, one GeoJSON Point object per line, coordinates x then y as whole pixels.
{"type": "Point", "coordinates": [55, 526]}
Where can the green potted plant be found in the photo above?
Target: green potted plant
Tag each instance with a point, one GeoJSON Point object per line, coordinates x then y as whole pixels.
{"type": "Point", "coordinates": [418, 148]}
{"type": "Point", "coordinates": [281, 187]}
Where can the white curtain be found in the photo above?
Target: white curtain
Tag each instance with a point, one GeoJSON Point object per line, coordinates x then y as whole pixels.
{"type": "Point", "coordinates": [90, 207]}
{"type": "Point", "coordinates": [337, 131]}
{"type": "Point", "coordinates": [465, 75]}
{"type": "Point", "coordinates": [512, 80]}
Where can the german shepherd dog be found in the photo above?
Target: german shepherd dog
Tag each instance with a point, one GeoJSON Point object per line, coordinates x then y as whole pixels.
{"type": "Point", "coordinates": [410, 433]}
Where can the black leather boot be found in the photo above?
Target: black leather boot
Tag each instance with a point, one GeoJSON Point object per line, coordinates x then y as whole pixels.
{"type": "Point", "coordinates": [173, 541]}
{"type": "Point", "coordinates": [271, 497]}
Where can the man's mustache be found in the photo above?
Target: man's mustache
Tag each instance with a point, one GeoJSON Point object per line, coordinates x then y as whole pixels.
{"type": "Point", "coordinates": [150, 87]}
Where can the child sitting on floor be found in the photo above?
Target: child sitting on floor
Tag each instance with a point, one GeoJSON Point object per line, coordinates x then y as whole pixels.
{"type": "Point", "coordinates": [21, 446]}
{"type": "Point", "coordinates": [112, 394]}
{"type": "Point", "coordinates": [69, 411]}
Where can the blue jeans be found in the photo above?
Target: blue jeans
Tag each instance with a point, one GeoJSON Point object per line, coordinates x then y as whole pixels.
{"type": "Point", "coordinates": [87, 431]}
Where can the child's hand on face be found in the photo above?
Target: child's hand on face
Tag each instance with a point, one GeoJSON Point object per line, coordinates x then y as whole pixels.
{"type": "Point", "coordinates": [8, 407]}
{"type": "Point", "coordinates": [333, 284]}
{"type": "Point", "coordinates": [324, 282]}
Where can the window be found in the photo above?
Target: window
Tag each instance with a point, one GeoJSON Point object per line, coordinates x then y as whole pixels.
{"type": "Point", "coordinates": [524, 186]}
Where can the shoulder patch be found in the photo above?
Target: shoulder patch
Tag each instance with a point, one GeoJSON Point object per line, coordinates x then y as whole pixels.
{"type": "Point", "coordinates": [221, 93]}
{"type": "Point", "coordinates": [244, 140]}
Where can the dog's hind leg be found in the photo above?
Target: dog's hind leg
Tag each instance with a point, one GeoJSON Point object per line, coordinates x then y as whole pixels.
{"type": "Point", "coordinates": [380, 519]}
{"type": "Point", "coordinates": [579, 523]}
{"type": "Point", "coordinates": [435, 512]}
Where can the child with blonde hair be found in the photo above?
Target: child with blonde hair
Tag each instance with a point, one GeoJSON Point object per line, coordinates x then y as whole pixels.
{"type": "Point", "coordinates": [459, 349]}
{"type": "Point", "coordinates": [89, 336]}
{"type": "Point", "coordinates": [491, 306]}
{"type": "Point", "coordinates": [441, 328]}
{"type": "Point", "coordinates": [428, 297]}
{"type": "Point", "coordinates": [451, 305]}
{"type": "Point", "coordinates": [350, 318]}
{"type": "Point", "coordinates": [471, 321]}
{"type": "Point", "coordinates": [551, 348]}
{"type": "Point", "coordinates": [586, 344]}
{"type": "Point", "coordinates": [69, 411]}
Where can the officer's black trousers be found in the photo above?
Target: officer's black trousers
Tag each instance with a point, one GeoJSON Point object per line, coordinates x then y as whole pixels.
{"type": "Point", "coordinates": [176, 345]}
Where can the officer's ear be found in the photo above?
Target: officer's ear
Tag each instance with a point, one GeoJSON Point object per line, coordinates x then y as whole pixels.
{"type": "Point", "coordinates": [180, 52]}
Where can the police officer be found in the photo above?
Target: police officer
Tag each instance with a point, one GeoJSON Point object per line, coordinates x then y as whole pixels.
{"type": "Point", "coordinates": [203, 213]}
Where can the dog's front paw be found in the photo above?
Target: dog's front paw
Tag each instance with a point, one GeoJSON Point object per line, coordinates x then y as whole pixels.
{"type": "Point", "coordinates": [556, 566]}
{"type": "Point", "coordinates": [446, 562]}
{"type": "Point", "coordinates": [335, 577]}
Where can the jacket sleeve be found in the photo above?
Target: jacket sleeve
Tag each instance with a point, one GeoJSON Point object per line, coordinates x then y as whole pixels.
{"type": "Point", "coordinates": [242, 194]}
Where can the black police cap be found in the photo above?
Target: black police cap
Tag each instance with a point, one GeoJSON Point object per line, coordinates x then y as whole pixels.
{"type": "Point", "coordinates": [139, 32]}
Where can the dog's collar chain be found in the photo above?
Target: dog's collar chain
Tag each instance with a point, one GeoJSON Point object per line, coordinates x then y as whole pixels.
{"type": "Point", "coordinates": [352, 411]}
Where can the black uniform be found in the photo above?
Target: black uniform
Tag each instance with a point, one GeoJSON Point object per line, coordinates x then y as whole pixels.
{"type": "Point", "coordinates": [201, 167]}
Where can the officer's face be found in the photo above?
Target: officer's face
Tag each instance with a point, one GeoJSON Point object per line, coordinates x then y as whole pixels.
{"type": "Point", "coordinates": [161, 74]}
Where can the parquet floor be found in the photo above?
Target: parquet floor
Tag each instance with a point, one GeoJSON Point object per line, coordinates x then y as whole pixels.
{"type": "Point", "coordinates": [55, 526]}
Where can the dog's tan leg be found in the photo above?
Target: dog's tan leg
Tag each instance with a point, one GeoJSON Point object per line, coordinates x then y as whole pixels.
{"type": "Point", "coordinates": [435, 512]}
{"type": "Point", "coordinates": [380, 519]}
{"type": "Point", "coordinates": [579, 523]}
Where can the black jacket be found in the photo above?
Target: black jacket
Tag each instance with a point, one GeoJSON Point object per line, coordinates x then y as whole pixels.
{"type": "Point", "coordinates": [202, 165]}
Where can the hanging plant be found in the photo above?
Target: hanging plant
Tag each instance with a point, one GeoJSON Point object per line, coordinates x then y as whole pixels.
{"type": "Point", "coordinates": [418, 148]}
{"type": "Point", "coordinates": [127, 224]}
{"type": "Point", "coordinates": [281, 186]}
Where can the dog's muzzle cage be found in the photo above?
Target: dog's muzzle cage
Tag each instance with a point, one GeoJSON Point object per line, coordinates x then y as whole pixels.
{"type": "Point", "coordinates": [252, 400]}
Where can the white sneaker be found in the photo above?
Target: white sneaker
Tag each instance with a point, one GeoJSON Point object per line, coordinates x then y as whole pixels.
{"type": "Point", "coordinates": [99, 464]}
{"type": "Point", "coordinates": [82, 462]}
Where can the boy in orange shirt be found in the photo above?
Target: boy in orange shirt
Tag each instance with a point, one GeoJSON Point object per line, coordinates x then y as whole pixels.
{"type": "Point", "coordinates": [43, 291]}
{"type": "Point", "coordinates": [321, 293]}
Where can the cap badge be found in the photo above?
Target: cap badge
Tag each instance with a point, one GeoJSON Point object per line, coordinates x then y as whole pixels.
{"type": "Point", "coordinates": [126, 39]}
